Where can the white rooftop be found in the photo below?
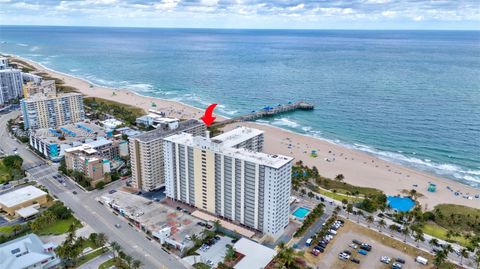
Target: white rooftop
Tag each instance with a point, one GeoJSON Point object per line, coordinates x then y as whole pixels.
{"type": "Point", "coordinates": [256, 255]}
{"type": "Point", "coordinates": [27, 211]}
{"type": "Point", "coordinates": [26, 251]}
{"type": "Point", "coordinates": [237, 136]}
{"type": "Point", "coordinates": [19, 196]}
{"type": "Point", "coordinates": [275, 161]}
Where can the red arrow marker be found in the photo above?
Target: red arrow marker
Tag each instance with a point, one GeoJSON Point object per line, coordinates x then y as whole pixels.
{"type": "Point", "coordinates": [207, 118]}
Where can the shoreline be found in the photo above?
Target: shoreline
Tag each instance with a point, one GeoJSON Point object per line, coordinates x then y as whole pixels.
{"type": "Point", "coordinates": [359, 167]}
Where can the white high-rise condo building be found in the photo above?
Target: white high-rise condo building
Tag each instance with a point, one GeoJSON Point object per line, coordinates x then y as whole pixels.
{"type": "Point", "coordinates": [52, 110]}
{"type": "Point", "coordinates": [228, 177]}
{"type": "Point", "coordinates": [146, 153]}
{"type": "Point", "coordinates": [11, 85]}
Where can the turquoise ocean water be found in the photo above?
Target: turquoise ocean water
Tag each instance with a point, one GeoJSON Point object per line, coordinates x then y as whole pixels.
{"type": "Point", "coordinates": [412, 97]}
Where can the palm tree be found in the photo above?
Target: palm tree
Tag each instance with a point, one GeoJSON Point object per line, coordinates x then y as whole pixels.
{"type": "Point", "coordinates": [359, 214]}
{"type": "Point", "coordinates": [405, 232]}
{"type": "Point", "coordinates": [136, 264]}
{"type": "Point", "coordinates": [128, 259]}
{"type": "Point", "coordinates": [418, 236]}
{"type": "Point", "coordinates": [369, 220]}
{"type": "Point", "coordinates": [339, 177]}
{"type": "Point", "coordinates": [349, 210]}
{"type": "Point", "coordinates": [230, 255]}
{"type": "Point", "coordinates": [115, 248]}
{"type": "Point", "coordinates": [337, 209]}
{"type": "Point", "coordinates": [381, 224]}
{"type": "Point", "coordinates": [392, 228]}
{"type": "Point", "coordinates": [448, 248]}
{"type": "Point", "coordinates": [440, 257]}
{"type": "Point", "coordinates": [287, 256]}
{"type": "Point", "coordinates": [101, 239]}
{"type": "Point", "coordinates": [281, 246]}
{"type": "Point", "coordinates": [433, 242]}
{"type": "Point", "coordinates": [463, 254]}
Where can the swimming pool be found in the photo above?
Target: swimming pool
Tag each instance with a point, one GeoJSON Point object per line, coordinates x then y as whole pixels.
{"type": "Point", "coordinates": [301, 212]}
{"type": "Point", "coordinates": [401, 204]}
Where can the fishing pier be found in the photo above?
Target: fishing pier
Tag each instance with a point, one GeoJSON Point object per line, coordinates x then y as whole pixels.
{"type": "Point", "coordinates": [268, 111]}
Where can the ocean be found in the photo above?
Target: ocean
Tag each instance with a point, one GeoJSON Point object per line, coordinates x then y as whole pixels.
{"type": "Point", "coordinates": [411, 97]}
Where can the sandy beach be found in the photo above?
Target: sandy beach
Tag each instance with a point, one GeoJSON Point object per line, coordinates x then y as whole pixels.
{"type": "Point", "coordinates": [359, 168]}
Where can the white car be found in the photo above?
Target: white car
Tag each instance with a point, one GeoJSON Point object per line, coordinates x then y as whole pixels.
{"type": "Point", "coordinates": [385, 259]}
{"type": "Point", "coordinates": [353, 246]}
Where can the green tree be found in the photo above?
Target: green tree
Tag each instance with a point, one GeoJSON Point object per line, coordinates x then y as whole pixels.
{"type": "Point", "coordinates": [463, 254]}
{"type": "Point", "coordinates": [440, 257]}
{"type": "Point", "coordinates": [369, 220]}
{"type": "Point", "coordinates": [136, 264]}
{"type": "Point", "coordinates": [230, 255]}
{"type": "Point", "coordinates": [349, 210]}
{"type": "Point", "coordinates": [381, 224]}
{"type": "Point", "coordinates": [115, 248]}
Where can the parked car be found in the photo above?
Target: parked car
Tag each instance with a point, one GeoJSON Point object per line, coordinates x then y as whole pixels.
{"type": "Point", "coordinates": [355, 241]}
{"type": "Point", "coordinates": [366, 247]}
{"type": "Point", "coordinates": [385, 259]}
{"type": "Point", "coordinates": [74, 192]}
{"type": "Point", "coordinates": [353, 246]}
{"type": "Point", "coordinates": [308, 242]}
{"type": "Point", "coordinates": [400, 260]}
{"type": "Point", "coordinates": [362, 251]}
{"type": "Point", "coordinates": [396, 265]}
{"type": "Point", "coordinates": [348, 252]}
{"type": "Point", "coordinates": [117, 226]}
{"type": "Point", "coordinates": [357, 261]}
{"type": "Point", "coordinates": [421, 260]}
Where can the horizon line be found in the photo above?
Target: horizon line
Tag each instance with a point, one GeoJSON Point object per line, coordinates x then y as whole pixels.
{"type": "Point", "coordinates": [241, 28]}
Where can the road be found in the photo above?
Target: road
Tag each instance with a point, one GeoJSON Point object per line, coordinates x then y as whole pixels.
{"type": "Point", "coordinates": [86, 208]}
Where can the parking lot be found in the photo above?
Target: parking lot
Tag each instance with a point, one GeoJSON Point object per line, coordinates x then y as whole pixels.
{"type": "Point", "coordinates": [342, 242]}
{"type": "Point", "coordinates": [216, 252]}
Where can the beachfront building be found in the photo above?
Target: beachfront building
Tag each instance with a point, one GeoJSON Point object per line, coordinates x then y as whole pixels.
{"type": "Point", "coordinates": [157, 121]}
{"type": "Point", "coordinates": [11, 85]}
{"type": "Point", "coordinates": [45, 87]}
{"type": "Point", "coordinates": [52, 142]}
{"type": "Point", "coordinates": [146, 154]}
{"type": "Point", "coordinates": [28, 252]}
{"type": "Point", "coordinates": [29, 77]}
{"type": "Point", "coordinates": [221, 177]}
{"type": "Point", "coordinates": [111, 124]}
{"type": "Point", "coordinates": [12, 202]}
{"type": "Point", "coordinates": [52, 110]}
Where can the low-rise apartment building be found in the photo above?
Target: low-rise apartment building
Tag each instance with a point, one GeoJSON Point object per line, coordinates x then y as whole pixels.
{"type": "Point", "coordinates": [87, 159]}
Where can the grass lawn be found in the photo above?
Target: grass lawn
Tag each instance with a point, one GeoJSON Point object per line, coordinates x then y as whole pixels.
{"type": "Point", "coordinates": [91, 256]}
{"type": "Point", "coordinates": [338, 196]}
{"type": "Point", "coordinates": [6, 230]}
{"type": "Point", "coordinates": [59, 227]}
{"type": "Point", "coordinates": [457, 218]}
{"type": "Point", "coordinates": [4, 173]}
{"type": "Point", "coordinates": [440, 232]}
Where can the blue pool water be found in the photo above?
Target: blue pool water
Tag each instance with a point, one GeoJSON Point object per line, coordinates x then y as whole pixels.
{"type": "Point", "coordinates": [402, 204]}
{"type": "Point", "coordinates": [301, 212]}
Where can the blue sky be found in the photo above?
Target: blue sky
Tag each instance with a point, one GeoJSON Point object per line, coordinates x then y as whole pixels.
{"type": "Point", "coordinates": [305, 14]}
